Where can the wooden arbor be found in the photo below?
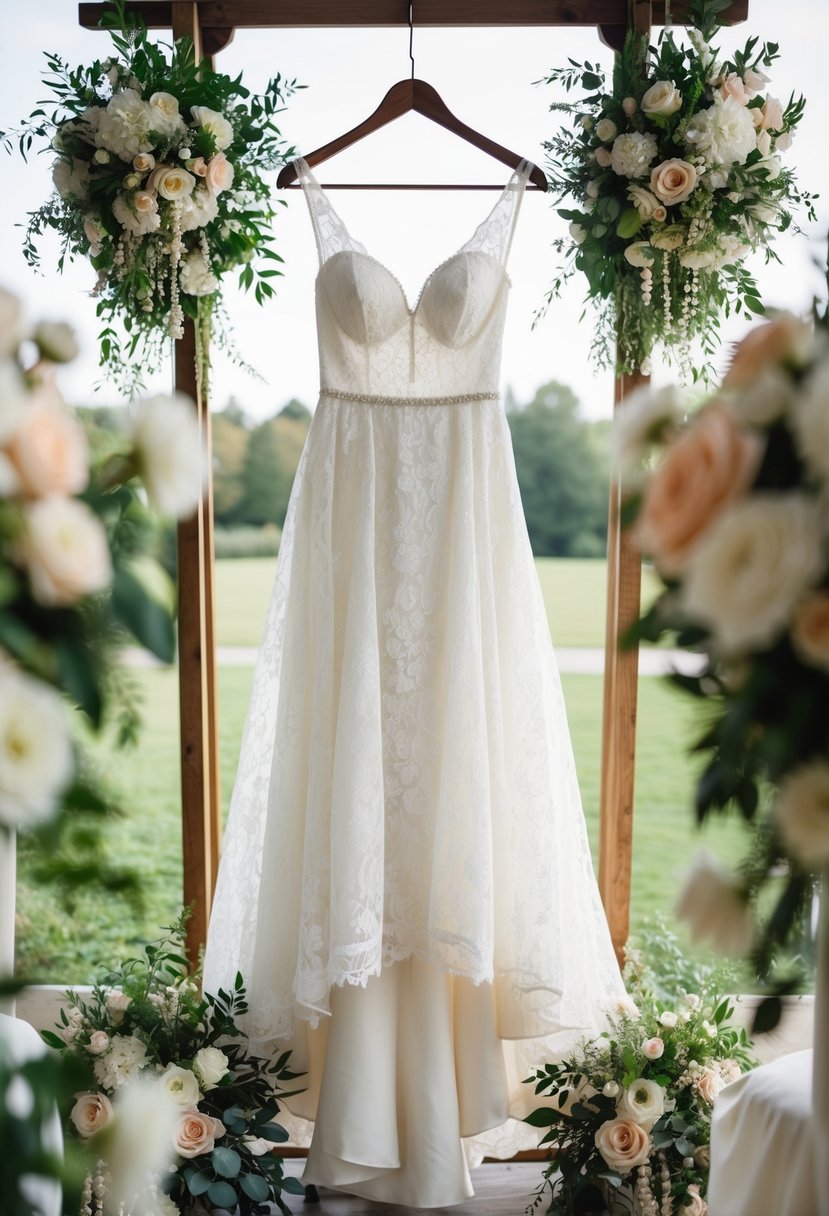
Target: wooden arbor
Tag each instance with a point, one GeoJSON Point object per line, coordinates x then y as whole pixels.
{"type": "Point", "coordinates": [211, 24]}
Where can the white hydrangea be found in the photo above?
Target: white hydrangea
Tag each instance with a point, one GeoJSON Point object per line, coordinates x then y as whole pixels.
{"type": "Point", "coordinates": [126, 1057]}
{"type": "Point", "coordinates": [36, 758]}
{"type": "Point", "coordinates": [724, 134]}
{"type": "Point", "coordinates": [632, 154]}
{"type": "Point", "coordinates": [124, 126]}
{"type": "Point", "coordinates": [196, 278]}
{"type": "Point", "coordinates": [198, 209]}
{"type": "Point", "coordinates": [71, 178]}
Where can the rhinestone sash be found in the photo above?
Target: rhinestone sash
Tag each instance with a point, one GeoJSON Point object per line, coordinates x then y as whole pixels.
{"type": "Point", "coordinates": [371, 399]}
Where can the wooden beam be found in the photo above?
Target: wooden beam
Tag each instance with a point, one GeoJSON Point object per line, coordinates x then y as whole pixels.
{"type": "Point", "coordinates": [275, 14]}
{"type": "Point", "coordinates": [200, 793]}
{"type": "Point", "coordinates": [621, 678]}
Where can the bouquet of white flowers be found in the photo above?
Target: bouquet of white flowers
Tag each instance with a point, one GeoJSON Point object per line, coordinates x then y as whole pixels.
{"type": "Point", "coordinates": [676, 175]}
{"type": "Point", "coordinates": [160, 182]}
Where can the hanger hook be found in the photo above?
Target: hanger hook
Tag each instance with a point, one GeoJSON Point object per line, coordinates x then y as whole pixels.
{"type": "Point", "coordinates": [411, 34]}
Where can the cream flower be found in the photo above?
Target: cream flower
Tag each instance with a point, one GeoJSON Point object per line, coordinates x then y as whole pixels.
{"type": "Point", "coordinates": [90, 1113]}
{"type": "Point", "coordinates": [668, 1019]}
{"type": "Point", "coordinates": [724, 134]}
{"type": "Point", "coordinates": [210, 1066]}
{"type": "Point", "coordinates": [578, 233]}
{"type": "Point", "coordinates": [170, 454]}
{"type": "Point", "coordinates": [36, 759]}
{"type": "Point", "coordinates": [215, 124]}
{"type": "Point", "coordinates": [662, 98]}
{"type": "Point", "coordinates": [181, 1085]}
{"type": "Point", "coordinates": [640, 254]}
{"type": "Point", "coordinates": [137, 213]}
{"type": "Point", "coordinates": [629, 106]}
{"type": "Point", "coordinates": [733, 86]}
{"type": "Point", "coordinates": [633, 152]}
{"type": "Point", "coordinates": [698, 259]}
{"type": "Point", "coordinates": [645, 418]}
{"type": "Point", "coordinates": [670, 238]}
{"type": "Point", "coordinates": [56, 341]}
{"type": "Point", "coordinates": [98, 1043]}
{"type": "Point", "coordinates": [219, 175]}
{"type": "Point", "coordinates": [673, 181]}
{"type": "Point", "coordinates": [751, 566]}
{"type": "Point", "coordinates": [714, 904]}
{"type": "Point", "coordinates": [802, 815]}
{"type": "Point", "coordinates": [49, 448]}
{"type": "Point", "coordinates": [772, 115]}
{"type": "Point", "coordinates": [95, 233]}
{"type": "Point", "coordinates": [606, 130]}
{"type": "Point", "coordinates": [653, 1049]}
{"type": "Point", "coordinates": [117, 1004]}
{"type": "Point", "coordinates": [143, 162]}
{"type": "Point", "coordinates": [769, 396]}
{"type": "Point", "coordinates": [196, 1134]}
{"type": "Point", "coordinates": [171, 182]}
{"type": "Point", "coordinates": [754, 81]}
{"type": "Point", "coordinates": [14, 400]}
{"type": "Point", "coordinates": [65, 550]}
{"type": "Point", "coordinates": [786, 340]}
{"type": "Point", "coordinates": [603, 158]}
{"type": "Point", "coordinates": [126, 1057]}
{"type": "Point", "coordinates": [643, 1101]}
{"type": "Point", "coordinates": [164, 115]}
{"type": "Point", "coordinates": [623, 1144]}
{"type": "Point", "coordinates": [644, 202]}
{"type": "Point", "coordinates": [198, 209]}
{"type": "Point", "coordinates": [810, 419]}
{"type": "Point", "coordinates": [124, 126]}
{"type": "Point", "coordinates": [709, 1084]}
{"type": "Point", "coordinates": [696, 1206]}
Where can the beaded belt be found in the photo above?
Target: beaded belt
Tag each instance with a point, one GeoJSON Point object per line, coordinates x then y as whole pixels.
{"type": "Point", "coordinates": [370, 398]}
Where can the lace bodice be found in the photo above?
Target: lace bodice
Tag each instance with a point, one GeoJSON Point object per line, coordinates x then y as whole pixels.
{"type": "Point", "coordinates": [372, 341]}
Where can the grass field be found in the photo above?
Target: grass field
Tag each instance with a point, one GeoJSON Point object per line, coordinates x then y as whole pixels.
{"type": "Point", "coordinates": [60, 947]}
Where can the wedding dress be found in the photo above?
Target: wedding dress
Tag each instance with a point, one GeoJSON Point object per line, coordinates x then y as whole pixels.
{"type": "Point", "coordinates": [406, 884]}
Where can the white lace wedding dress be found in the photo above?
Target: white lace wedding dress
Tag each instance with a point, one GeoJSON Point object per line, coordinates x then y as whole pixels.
{"type": "Point", "coordinates": [406, 883]}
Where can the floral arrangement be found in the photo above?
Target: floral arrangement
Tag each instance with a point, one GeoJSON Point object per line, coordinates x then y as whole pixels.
{"type": "Point", "coordinates": [675, 174]}
{"type": "Point", "coordinates": [732, 512]}
{"type": "Point", "coordinates": [76, 576]}
{"type": "Point", "coordinates": [630, 1111]}
{"type": "Point", "coordinates": [160, 182]}
{"type": "Point", "coordinates": [146, 1020]}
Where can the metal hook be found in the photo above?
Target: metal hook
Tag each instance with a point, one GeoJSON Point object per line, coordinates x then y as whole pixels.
{"type": "Point", "coordinates": [411, 34]}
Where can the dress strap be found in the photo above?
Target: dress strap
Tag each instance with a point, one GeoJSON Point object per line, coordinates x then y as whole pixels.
{"type": "Point", "coordinates": [494, 234]}
{"type": "Point", "coordinates": [330, 232]}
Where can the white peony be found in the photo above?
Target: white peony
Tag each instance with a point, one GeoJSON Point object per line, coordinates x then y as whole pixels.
{"type": "Point", "coordinates": [124, 126]}
{"type": "Point", "coordinates": [170, 453]}
{"type": "Point", "coordinates": [750, 568]}
{"type": "Point", "coordinates": [195, 277]}
{"type": "Point", "coordinates": [802, 815]}
{"type": "Point", "coordinates": [632, 154]}
{"type": "Point", "coordinates": [646, 417]}
{"type": "Point", "coordinates": [139, 223]}
{"type": "Point", "coordinates": [65, 551]}
{"type": "Point", "coordinates": [181, 1086]}
{"type": "Point", "coordinates": [724, 134]}
{"type": "Point", "coordinates": [714, 904]}
{"type": "Point", "coordinates": [215, 124]}
{"type": "Point", "coordinates": [197, 210]}
{"type": "Point", "coordinates": [643, 1101]}
{"type": "Point", "coordinates": [71, 178]}
{"type": "Point", "coordinates": [810, 419]}
{"type": "Point", "coordinates": [36, 759]}
{"type": "Point", "coordinates": [210, 1066]}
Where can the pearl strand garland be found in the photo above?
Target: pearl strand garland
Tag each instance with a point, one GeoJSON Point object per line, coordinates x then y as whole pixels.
{"type": "Point", "coordinates": [176, 325]}
{"type": "Point", "coordinates": [644, 1194]}
{"type": "Point", "coordinates": [666, 293]}
{"type": "Point", "coordinates": [665, 1178]}
{"type": "Point", "coordinates": [646, 275]}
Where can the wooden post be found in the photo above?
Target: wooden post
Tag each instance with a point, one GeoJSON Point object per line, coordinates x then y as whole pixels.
{"type": "Point", "coordinates": [621, 678]}
{"type": "Point", "coordinates": [200, 792]}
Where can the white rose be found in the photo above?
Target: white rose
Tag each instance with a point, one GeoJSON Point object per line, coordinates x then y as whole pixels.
{"type": "Point", "coordinates": [164, 115]}
{"type": "Point", "coordinates": [180, 1085]}
{"type": "Point", "coordinates": [724, 134]}
{"type": "Point", "coordinates": [750, 568]}
{"type": "Point", "coordinates": [578, 233]}
{"type": "Point", "coordinates": [644, 202]}
{"type": "Point", "coordinates": [135, 214]}
{"type": "Point", "coordinates": [90, 1113]}
{"type": "Point", "coordinates": [639, 254]}
{"type": "Point", "coordinates": [210, 1066]}
{"type": "Point", "coordinates": [171, 182]}
{"type": "Point", "coordinates": [198, 210]}
{"type": "Point", "coordinates": [662, 98]}
{"type": "Point", "coordinates": [36, 758]}
{"type": "Point", "coordinates": [802, 815]}
{"type": "Point", "coordinates": [101, 156]}
{"type": "Point", "coordinates": [668, 1019]}
{"type": "Point", "coordinates": [714, 904]}
{"type": "Point", "coordinates": [117, 1004]}
{"type": "Point", "coordinates": [65, 550]}
{"type": "Point", "coordinates": [632, 154]}
{"type": "Point", "coordinates": [170, 454]}
{"type": "Point", "coordinates": [606, 130]}
{"type": "Point", "coordinates": [143, 162]}
{"type": "Point", "coordinates": [603, 158]}
{"type": "Point", "coordinates": [215, 124]}
{"type": "Point", "coordinates": [56, 341]}
{"type": "Point", "coordinates": [653, 1049]}
{"type": "Point", "coordinates": [98, 1043]}
{"type": "Point", "coordinates": [124, 126]}
{"type": "Point", "coordinates": [643, 1101]}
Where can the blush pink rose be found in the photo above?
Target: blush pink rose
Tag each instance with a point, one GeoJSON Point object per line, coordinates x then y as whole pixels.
{"type": "Point", "coordinates": [652, 1049]}
{"type": "Point", "coordinates": [673, 181]}
{"type": "Point", "coordinates": [734, 86]}
{"type": "Point", "coordinates": [786, 339]}
{"type": "Point", "coordinates": [219, 174]}
{"type": "Point", "coordinates": [623, 1144]}
{"type": "Point", "coordinates": [709, 1084]}
{"type": "Point", "coordinates": [711, 463]}
{"type": "Point", "coordinates": [197, 166]}
{"type": "Point", "coordinates": [90, 1113]}
{"type": "Point", "coordinates": [196, 1133]}
{"type": "Point", "coordinates": [49, 448]}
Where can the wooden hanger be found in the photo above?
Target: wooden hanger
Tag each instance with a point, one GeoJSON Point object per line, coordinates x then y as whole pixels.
{"type": "Point", "coordinates": [402, 97]}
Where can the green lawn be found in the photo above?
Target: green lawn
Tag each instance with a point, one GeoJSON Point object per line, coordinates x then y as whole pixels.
{"type": "Point", "coordinates": [574, 592]}
{"type": "Point", "coordinates": [58, 947]}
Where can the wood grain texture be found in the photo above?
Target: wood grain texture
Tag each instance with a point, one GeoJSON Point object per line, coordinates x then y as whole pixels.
{"type": "Point", "coordinates": [273, 14]}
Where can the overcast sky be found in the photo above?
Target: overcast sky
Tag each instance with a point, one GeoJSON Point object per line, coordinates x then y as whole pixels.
{"type": "Point", "coordinates": [485, 77]}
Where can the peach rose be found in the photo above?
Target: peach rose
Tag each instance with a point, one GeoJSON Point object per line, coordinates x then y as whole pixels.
{"type": "Point", "coordinates": [219, 174]}
{"type": "Point", "coordinates": [810, 629]}
{"type": "Point", "coordinates": [786, 339]}
{"type": "Point", "coordinates": [49, 449]}
{"type": "Point", "coordinates": [706, 467]}
{"type": "Point", "coordinates": [673, 180]}
{"type": "Point", "coordinates": [196, 1133]}
{"type": "Point", "coordinates": [143, 162]}
{"type": "Point", "coordinates": [197, 166]}
{"type": "Point", "coordinates": [734, 86]}
{"type": "Point", "coordinates": [623, 1144]}
{"type": "Point", "coordinates": [90, 1113]}
{"type": "Point", "coordinates": [602, 157]}
{"type": "Point", "coordinates": [772, 113]}
{"type": "Point", "coordinates": [66, 552]}
{"type": "Point", "coordinates": [144, 202]}
{"type": "Point", "coordinates": [709, 1084]}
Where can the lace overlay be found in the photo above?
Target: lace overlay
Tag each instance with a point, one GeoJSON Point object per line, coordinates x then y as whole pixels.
{"type": "Point", "coordinates": [406, 786]}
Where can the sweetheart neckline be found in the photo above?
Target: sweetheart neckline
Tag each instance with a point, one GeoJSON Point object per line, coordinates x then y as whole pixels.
{"type": "Point", "coordinates": [462, 252]}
